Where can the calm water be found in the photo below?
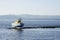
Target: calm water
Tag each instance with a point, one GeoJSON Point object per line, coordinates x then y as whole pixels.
{"type": "Point", "coordinates": [30, 34]}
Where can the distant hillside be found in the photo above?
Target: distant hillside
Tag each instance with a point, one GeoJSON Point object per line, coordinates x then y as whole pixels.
{"type": "Point", "coordinates": [29, 17]}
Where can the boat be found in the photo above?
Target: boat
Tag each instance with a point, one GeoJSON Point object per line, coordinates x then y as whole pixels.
{"type": "Point", "coordinates": [18, 23]}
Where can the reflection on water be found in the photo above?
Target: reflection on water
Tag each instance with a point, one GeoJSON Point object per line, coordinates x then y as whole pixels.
{"type": "Point", "coordinates": [30, 34]}
{"type": "Point", "coordinates": [6, 34]}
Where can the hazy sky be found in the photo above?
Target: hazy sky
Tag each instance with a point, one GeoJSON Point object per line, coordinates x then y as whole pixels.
{"type": "Point", "coordinates": [34, 7]}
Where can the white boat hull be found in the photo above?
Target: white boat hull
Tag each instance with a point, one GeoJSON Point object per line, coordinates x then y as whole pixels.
{"type": "Point", "coordinates": [16, 24]}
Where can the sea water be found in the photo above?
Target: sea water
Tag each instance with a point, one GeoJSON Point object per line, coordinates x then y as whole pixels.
{"type": "Point", "coordinates": [30, 34]}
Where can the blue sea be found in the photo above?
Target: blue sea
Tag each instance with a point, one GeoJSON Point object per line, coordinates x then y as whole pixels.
{"type": "Point", "coordinates": [30, 34]}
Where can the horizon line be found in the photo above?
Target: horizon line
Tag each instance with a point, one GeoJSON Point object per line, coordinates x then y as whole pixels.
{"type": "Point", "coordinates": [30, 14]}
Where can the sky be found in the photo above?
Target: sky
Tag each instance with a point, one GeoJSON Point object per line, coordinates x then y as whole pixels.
{"type": "Point", "coordinates": [33, 7]}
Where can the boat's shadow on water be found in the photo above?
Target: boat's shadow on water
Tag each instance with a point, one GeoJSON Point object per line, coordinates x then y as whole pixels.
{"type": "Point", "coordinates": [17, 30]}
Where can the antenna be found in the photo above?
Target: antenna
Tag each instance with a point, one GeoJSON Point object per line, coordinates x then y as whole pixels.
{"type": "Point", "coordinates": [19, 18]}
